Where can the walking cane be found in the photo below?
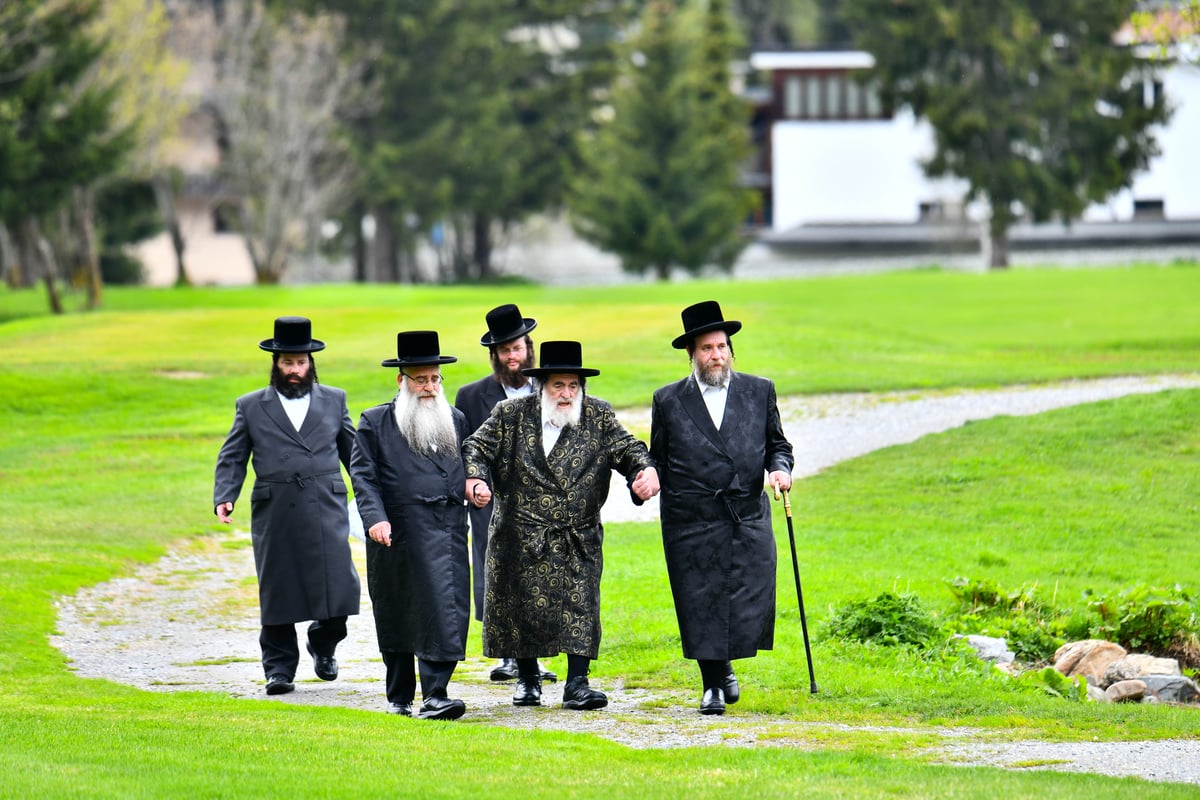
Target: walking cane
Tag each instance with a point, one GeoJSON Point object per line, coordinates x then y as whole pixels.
{"type": "Point", "coordinates": [787, 510]}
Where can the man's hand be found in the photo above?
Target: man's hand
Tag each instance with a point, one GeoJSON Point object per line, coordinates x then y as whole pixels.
{"type": "Point", "coordinates": [381, 532]}
{"type": "Point", "coordinates": [645, 485]}
{"type": "Point", "coordinates": [223, 511]}
{"type": "Point", "coordinates": [780, 481]}
{"type": "Point", "coordinates": [478, 492]}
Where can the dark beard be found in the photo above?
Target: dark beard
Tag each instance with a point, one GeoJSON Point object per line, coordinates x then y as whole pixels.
{"type": "Point", "coordinates": [513, 380]}
{"type": "Point", "coordinates": [293, 390]}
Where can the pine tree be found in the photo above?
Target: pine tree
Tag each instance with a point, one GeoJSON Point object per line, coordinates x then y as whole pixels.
{"type": "Point", "coordinates": [659, 187]}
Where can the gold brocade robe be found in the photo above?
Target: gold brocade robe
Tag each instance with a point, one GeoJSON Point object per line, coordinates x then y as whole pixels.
{"type": "Point", "coordinates": [544, 561]}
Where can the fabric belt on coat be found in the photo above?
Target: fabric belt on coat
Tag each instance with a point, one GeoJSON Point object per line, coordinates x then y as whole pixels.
{"type": "Point", "coordinates": [438, 500]}
{"type": "Point", "coordinates": [302, 480]}
{"type": "Point", "coordinates": [536, 532]}
{"type": "Point", "coordinates": [727, 497]}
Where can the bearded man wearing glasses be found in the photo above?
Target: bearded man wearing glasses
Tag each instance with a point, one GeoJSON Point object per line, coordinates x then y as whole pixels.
{"type": "Point", "coordinates": [408, 479]}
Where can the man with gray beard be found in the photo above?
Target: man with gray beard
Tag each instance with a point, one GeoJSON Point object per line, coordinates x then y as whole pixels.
{"type": "Point", "coordinates": [548, 459]}
{"type": "Point", "coordinates": [408, 479]}
{"type": "Point", "coordinates": [714, 436]}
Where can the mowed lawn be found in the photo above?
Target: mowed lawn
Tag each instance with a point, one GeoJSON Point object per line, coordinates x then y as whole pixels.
{"type": "Point", "coordinates": [112, 421]}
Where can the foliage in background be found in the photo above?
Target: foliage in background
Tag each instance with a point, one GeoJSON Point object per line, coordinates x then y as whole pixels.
{"type": "Point", "coordinates": [1033, 105]}
{"type": "Point", "coordinates": [659, 185]}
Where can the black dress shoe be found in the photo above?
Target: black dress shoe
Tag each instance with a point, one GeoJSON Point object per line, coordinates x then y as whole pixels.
{"type": "Point", "coordinates": [579, 696]}
{"type": "Point", "coordinates": [279, 684]}
{"type": "Point", "coordinates": [528, 692]}
{"type": "Point", "coordinates": [547, 675]}
{"type": "Point", "coordinates": [506, 670]}
{"type": "Point", "coordinates": [441, 707]}
{"type": "Point", "coordinates": [325, 666]}
{"type": "Point", "coordinates": [732, 692]}
{"type": "Point", "coordinates": [402, 709]}
{"type": "Point", "coordinates": [713, 702]}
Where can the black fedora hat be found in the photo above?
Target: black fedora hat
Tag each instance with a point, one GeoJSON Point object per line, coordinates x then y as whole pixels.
{"type": "Point", "coordinates": [560, 357]}
{"type": "Point", "coordinates": [505, 323]}
{"type": "Point", "coordinates": [292, 335]}
{"type": "Point", "coordinates": [417, 349]}
{"type": "Point", "coordinates": [702, 318]}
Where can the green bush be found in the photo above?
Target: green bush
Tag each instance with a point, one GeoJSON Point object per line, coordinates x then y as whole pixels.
{"type": "Point", "coordinates": [1144, 618]}
{"type": "Point", "coordinates": [889, 619]}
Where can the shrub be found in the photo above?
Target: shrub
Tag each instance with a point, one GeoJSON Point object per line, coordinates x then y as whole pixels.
{"type": "Point", "coordinates": [889, 619]}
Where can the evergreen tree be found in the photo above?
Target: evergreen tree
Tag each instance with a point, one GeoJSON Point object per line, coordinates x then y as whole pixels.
{"type": "Point", "coordinates": [55, 133]}
{"type": "Point", "coordinates": [479, 107]}
{"type": "Point", "coordinates": [659, 188]}
{"type": "Point", "coordinates": [1032, 104]}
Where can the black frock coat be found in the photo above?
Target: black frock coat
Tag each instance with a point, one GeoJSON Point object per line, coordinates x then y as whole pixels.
{"type": "Point", "coordinates": [299, 524]}
{"type": "Point", "coordinates": [544, 557]}
{"type": "Point", "coordinates": [716, 517]}
{"type": "Point", "coordinates": [419, 586]}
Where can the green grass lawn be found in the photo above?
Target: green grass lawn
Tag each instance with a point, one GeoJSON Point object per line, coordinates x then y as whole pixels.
{"type": "Point", "coordinates": [113, 420]}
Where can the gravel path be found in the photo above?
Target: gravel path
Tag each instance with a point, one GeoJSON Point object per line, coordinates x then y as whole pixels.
{"type": "Point", "coordinates": [189, 621]}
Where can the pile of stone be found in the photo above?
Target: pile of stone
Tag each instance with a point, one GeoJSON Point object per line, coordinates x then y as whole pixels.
{"type": "Point", "coordinates": [1116, 676]}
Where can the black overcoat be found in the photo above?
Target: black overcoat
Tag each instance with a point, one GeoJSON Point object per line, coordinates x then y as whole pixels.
{"type": "Point", "coordinates": [544, 556]}
{"type": "Point", "coordinates": [419, 586]}
{"type": "Point", "coordinates": [299, 524]}
{"type": "Point", "coordinates": [716, 518]}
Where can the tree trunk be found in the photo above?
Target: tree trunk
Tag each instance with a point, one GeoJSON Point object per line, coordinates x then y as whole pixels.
{"type": "Point", "coordinates": [384, 251]}
{"type": "Point", "coordinates": [10, 260]}
{"type": "Point", "coordinates": [164, 196]}
{"type": "Point", "coordinates": [38, 254]}
{"type": "Point", "coordinates": [662, 271]}
{"type": "Point", "coordinates": [997, 247]}
{"type": "Point", "coordinates": [482, 245]}
{"type": "Point", "coordinates": [86, 249]}
{"type": "Point", "coordinates": [359, 247]}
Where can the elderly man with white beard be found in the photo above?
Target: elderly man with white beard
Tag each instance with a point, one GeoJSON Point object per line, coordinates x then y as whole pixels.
{"type": "Point", "coordinates": [547, 461]}
{"type": "Point", "coordinates": [408, 479]}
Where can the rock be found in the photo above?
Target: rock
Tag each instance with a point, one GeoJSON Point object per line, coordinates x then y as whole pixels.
{"type": "Point", "coordinates": [1135, 665]}
{"type": "Point", "coordinates": [1097, 694]}
{"type": "Point", "coordinates": [1171, 688]}
{"type": "Point", "coordinates": [1089, 657]}
{"type": "Point", "coordinates": [990, 648]}
{"type": "Point", "coordinates": [1126, 692]}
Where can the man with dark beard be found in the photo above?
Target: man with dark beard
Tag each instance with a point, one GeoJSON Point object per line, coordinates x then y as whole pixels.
{"type": "Point", "coordinates": [298, 434]}
{"type": "Point", "coordinates": [408, 481]}
{"type": "Point", "coordinates": [510, 350]}
{"type": "Point", "coordinates": [713, 435]}
{"type": "Point", "coordinates": [549, 458]}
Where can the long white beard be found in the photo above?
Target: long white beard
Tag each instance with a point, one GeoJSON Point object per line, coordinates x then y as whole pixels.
{"type": "Point", "coordinates": [426, 423]}
{"type": "Point", "coordinates": [561, 418]}
{"type": "Point", "coordinates": [718, 376]}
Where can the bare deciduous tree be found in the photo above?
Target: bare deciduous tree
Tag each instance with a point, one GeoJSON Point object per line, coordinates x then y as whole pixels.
{"type": "Point", "coordinates": [279, 85]}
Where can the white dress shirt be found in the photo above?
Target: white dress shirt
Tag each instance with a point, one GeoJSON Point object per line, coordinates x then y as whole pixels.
{"type": "Point", "coordinates": [714, 399]}
{"type": "Point", "coordinates": [296, 408]}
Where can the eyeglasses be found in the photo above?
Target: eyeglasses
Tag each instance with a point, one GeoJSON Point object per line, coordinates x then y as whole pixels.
{"type": "Point", "coordinates": [424, 380]}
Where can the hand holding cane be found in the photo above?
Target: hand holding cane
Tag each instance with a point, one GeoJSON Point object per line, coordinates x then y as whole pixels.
{"type": "Point", "coordinates": [787, 510]}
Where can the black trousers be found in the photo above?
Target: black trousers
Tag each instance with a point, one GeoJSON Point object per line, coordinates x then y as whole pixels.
{"type": "Point", "coordinates": [280, 652]}
{"type": "Point", "coordinates": [402, 684]}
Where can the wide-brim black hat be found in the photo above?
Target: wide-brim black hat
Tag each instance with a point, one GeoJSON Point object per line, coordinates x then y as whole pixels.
{"type": "Point", "coordinates": [702, 318]}
{"type": "Point", "coordinates": [560, 357]}
{"type": "Point", "coordinates": [505, 324]}
{"type": "Point", "coordinates": [292, 335]}
{"type": "Point", "coordinates": [417, 349]}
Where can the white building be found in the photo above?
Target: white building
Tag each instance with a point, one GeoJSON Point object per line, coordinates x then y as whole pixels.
{"type": "Point", "coordinates": [837, 157]}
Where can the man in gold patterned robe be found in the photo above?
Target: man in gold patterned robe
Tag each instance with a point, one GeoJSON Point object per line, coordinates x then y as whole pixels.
{"type": "Point", "coordinates": [548, 459]}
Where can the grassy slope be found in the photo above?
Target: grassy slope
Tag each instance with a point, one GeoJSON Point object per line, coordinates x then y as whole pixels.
{"type": "Point", "coordinates": [113, 420]}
